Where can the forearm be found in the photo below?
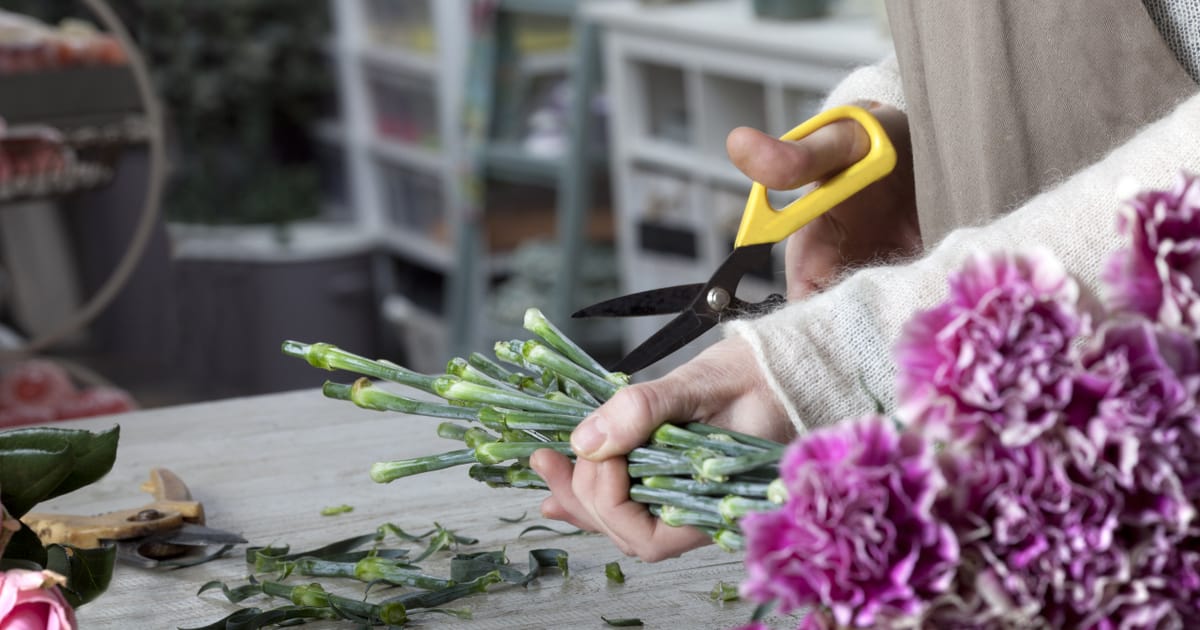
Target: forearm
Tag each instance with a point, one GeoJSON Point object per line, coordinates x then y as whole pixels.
{"type": "Point", "coordinates": [820, 354]}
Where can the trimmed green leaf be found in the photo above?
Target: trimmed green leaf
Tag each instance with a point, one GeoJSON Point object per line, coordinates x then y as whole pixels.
{"type": "Point", "coordinates": [514, 520]}
{"type": "Point", "coordinates": [88, 571]}
{"type": "Point", "coordinates": [546, 528]}
{"type": "Point", "coordinates": [234, 595]}
{"type": "Point", "coordinates": [631, 622]}
{"type": "Point", "coordinates": [336, 509]}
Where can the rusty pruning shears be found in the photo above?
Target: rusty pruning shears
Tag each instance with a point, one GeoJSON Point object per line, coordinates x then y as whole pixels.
{"type": "Point", "coordinates": [701, 306]}
{"type": "Point", "coordinates": [168, 532]}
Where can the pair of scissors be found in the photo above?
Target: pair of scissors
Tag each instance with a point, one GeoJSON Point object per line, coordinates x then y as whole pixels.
{"type": "Point", "coordinates": [168, 532]}
{"type": "Point", "coordinates": [701, 306]}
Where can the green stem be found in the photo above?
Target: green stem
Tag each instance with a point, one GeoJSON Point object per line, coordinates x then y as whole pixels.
{"type": "Point", "coordinates": [744, 438]}
{"type": "Point", "coordinates": [733, 507]}
{"type": "Point", "coordinates": [643, 494]}
{"type": "Point", "coordinates": [651, 469]}
{"type": "Point", "coordinates": [720, 468]}
{"type": "Point", "coordinates": [677, 436]}
{"type": "Point", "coordinates": [530, 421]}
{"type": "Point", "coordinates": [510, 353]}
{"type": "Point", "coordinates": [369, 396]}
{"type": "Point", "coordinates": [497, 452]}
{"type": "Point", "coordinates": [384, 472]}
{"type": "Point", "coordinates": [452, 388]}
{"type": "Point", "coordinates": [538, 354]}
{"type": "Point", "coordinates": [536, 322]}
{"type": "Point", "coordinates": [460, 368]}
{"type": "Point", "coordinates": [729, 540]}
{"type": "Point", "coordinates": [706, 488]}
{"type": "Point", "coordinates": [577, 392]}
{"type": "Point", "coordinates": [371, 569]}
{"type": "Point", "coordinates": [452, 431]}
{"type": "Point", "coordinates": [680, 517]}
{"type": "Point", "coordinates": [476, 436]}
{"type": "Point", "coordinates": [329, 357]}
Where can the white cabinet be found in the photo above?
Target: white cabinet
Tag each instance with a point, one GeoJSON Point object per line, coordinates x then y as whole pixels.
{"type": "Point", "coordinates": [401, 70]}
{"type": "Point", "coordinates": [679, 78]}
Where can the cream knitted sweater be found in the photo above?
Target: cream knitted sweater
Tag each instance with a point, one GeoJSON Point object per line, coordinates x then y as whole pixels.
{"type": "Point", "coordinates": [827, 355]}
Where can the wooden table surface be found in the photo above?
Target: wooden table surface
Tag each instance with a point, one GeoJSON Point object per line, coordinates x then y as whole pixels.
{"type": "Point", "coordinates": [266, 466]}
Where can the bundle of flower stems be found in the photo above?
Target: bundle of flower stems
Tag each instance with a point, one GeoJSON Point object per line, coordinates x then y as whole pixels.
{"type": "Point", "coordinates": [531, 397]}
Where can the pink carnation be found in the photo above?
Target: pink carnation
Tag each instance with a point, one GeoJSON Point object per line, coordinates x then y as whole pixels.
{"type": "Point", "coordinates": [30, 600]}
{"type": "Point", "coordinates": [1159, 273]}
{"type": "Point", "coordinates": [998, 348]}
{"type": "Point", "coordinates": [857, 534]}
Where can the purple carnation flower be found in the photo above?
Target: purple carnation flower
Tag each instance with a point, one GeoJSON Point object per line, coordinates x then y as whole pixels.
{"type": "Point", "coordinates": [1035, 542]}
{"type": "Point", "coordinates": [856, 534]}
{"type": "Point", "coordinates": [998, 348]}
{"type": "Point", "coordinates": [1133, 418]}
{"type": "Point", "coordinates": [1159, 273]}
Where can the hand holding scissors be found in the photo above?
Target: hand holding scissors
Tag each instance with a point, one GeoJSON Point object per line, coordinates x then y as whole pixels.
{"type": "Point", "coordinates": [701, 306]}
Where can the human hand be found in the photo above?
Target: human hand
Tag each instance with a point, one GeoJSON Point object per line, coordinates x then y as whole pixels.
{"type": "Point", "coordinates": [878, 223]}
{"type": "Point", "coordinates": [723, 386]}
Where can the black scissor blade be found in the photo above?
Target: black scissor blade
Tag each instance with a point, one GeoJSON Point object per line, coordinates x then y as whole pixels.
{"type": "Point", "coordinates": [676, 334]}
{"type": "Point", "coordinates": [668, 300]}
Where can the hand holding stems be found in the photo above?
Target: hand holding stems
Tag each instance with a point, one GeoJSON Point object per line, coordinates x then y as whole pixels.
{"type": "Point", "coordinates": [878, 223]}
{"type": "Point", "coordinates": [724, 385]}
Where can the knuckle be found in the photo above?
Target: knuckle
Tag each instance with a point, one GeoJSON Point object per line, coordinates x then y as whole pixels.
{"type": "Point", "coordinates": [637, 406]}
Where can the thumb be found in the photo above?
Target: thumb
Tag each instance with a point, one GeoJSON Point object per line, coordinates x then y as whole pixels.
{"type": "Point", "coordinates": [628, 419]}
{"type": "Point", "coordinates": [784, 165]}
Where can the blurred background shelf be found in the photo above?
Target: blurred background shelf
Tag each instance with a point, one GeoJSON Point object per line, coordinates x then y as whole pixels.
{"type": "Point", "coordinates": [680, 76]}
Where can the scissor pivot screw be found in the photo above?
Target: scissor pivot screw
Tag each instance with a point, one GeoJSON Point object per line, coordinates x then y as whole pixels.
{"type": "Point", "coordinates": [718, 299]}
{"type": "Point", "coordinates": [146, 515]}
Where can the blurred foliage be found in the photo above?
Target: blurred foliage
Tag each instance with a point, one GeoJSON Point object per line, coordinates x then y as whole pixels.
{"type": "Point", "coordinates": [243, 81]}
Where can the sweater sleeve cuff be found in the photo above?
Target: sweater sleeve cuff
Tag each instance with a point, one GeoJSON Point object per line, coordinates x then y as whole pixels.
{"type": "Point", "coordinates": [879, 83]}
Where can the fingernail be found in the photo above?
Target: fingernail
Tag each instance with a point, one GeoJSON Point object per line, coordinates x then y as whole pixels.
{"type": "Point", "coordinates": [589, 437]}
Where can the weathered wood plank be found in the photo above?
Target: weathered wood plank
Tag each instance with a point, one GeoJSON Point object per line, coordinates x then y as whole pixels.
{"type": "Point", "coordinates": [266, 466]}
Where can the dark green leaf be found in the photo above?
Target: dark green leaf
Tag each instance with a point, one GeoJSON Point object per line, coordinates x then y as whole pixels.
{"type": "Point", "coordinates": [220, 624]}
{"type": "Point", "coordinates": [547, 559]}
{"type": "Point", "coordinates": [29, 476]}
{"type": "Point", "coordinates": [466, 567]}
{"type": "Point", "coordinates": [234, 595]}
{"type": "Point", "coordinates": [192, 558]}
{"type": "Point", "coordinates": [389, 528]}
{"type": "Point", "coordinates": [88, 571]}
{"type": "Point", "coordinates": [433, 599]}
{"type": "Point", "coordinates": [443, 539]}
{"type": "Point", "coordinates": [24, 478]}
{"type": "Point", "coordinates": [255, 618]}
{"type": "Point", "coordinates": [545, 528]}
{"type": "Point", "coordinates": [632, 622]}
{"type": "Point", "coordinates": [25, 546]}
{"type": "Point", "coordinates": [256, 555]}
{"type": "Point", "coordinates": [514, 520]}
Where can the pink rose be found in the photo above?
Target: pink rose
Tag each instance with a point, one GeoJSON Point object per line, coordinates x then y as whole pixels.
{"type": "Point", "coordinates": [30, 600]}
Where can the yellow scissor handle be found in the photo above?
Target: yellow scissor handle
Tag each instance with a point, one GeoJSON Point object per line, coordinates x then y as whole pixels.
{"type": "Point", "coordinates": [763, 224]}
